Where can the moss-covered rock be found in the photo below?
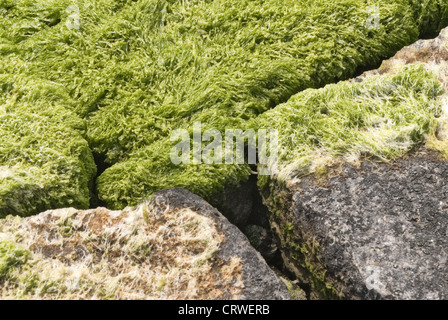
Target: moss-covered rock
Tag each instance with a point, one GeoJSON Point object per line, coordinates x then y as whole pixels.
{"type": "Point", "coordinates": [385, 116]}
{"type": "Point", "coordinates": [137, 70]}
{"type": "Point", "coordinates": [369, 226]}
{"type": "Point", "coordinates": [175, 247]}
{"type": "Point", "coordinates": [230, 62]}
{"type": "Point", "coordinates": [373, 232]}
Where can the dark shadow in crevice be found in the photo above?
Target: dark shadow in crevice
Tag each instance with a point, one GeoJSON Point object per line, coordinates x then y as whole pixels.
{"type": "Point", "coordinates": [253, 220]}
{"type": "Point", "coordinates": [101, 166]}
{"type": "Point", "coordinates": [361, 69]}
{"type": "Point", "coordinates": [429, 35]}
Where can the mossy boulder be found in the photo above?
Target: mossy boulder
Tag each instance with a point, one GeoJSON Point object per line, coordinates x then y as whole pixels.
{"type": "Point", "coordinates": [176, 246]}
{"type": "Point", "coordinates": [361, 216]}
{"type": "Point", "coordinates": [231, 62]}
{"type": "Point", "coordinates": [377, 231]}
{"type": "Point", "coordinates": [384, 116]}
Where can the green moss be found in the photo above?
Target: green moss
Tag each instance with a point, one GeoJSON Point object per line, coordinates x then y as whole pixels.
{"type": "Point", "coordinates": [304, 252]}
{"type": "Point", "coordinates": [45, 162]}
{"type": "Point", "coordinates": [431, 16]}
{"type": "Point", "coordinates": [307, 255]}
{"type": "Point", "coordinates": [288, 231]}
{"type": "Point", "coordinates": [137, 70]}
{"type": "Point", "coordinates": [66, 228]}
{"type": "Point", "coordinates": [151, 170]}
{"type": "Point", "coordinates": [296, 292]}
{"type": "Point", "coordinates": [224, 62]}
{"type": "Point", "coordinates": [11, 256]}
{"type": "Point", "coordinates": [299, 248]}
{"type": "Point", "coordinates": [230, 62]}
{"type": "Point", "coordinates": [383, 117]}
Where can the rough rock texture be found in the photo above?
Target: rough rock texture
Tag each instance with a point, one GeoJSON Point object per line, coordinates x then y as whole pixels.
{"type": "Point", "coordinates": [377, 230]}
{"type": "Point", "coordinates": [243, 205]}
{"type": "Point", "coordinates": [176, 246]}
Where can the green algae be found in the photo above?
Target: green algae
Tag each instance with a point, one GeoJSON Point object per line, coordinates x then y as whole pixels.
{"type": "Point", "coordinates": [431, 16]}
{"type": "Point", "coordinates": [224, 71]}
{"type": "Point", "coordinates": [151, 169]}
{"type": "Point", "coordinates": [384, 117]}
{"type": "Point", "coordinates": [45, 162]}
{"type": "Point", "coordinates": [134, 71]}
{"type": "Point", "coordinates": [225, 62]}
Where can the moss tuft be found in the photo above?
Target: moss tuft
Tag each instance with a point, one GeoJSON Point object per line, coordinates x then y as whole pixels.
{"type": "Point", "coordinates": [382, 117]}
{"type": "Point", "coordinates": [45, 162]}
{"type": "Point", "coordinates": [151, 170]}
{"type": "Point", "coordinates": [11, 256]}
{"type": "Point", "coordinates": [431, 16]}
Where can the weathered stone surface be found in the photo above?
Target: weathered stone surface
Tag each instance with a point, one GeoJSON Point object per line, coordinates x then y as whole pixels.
{"type": "Point", "coordinates": [376, 230]}
{"type": "Point", "coordinates": [176, 246]}
{"type": "Point", "coordinates": [243, 207]}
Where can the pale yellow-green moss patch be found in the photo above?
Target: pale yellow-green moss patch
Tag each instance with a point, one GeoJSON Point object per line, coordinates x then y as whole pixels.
{"type": "Point", "coordinates": [384, 117]}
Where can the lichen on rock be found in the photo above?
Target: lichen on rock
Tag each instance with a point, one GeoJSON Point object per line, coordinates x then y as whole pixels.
{"type": "Point", "coordinates": [175, 247]}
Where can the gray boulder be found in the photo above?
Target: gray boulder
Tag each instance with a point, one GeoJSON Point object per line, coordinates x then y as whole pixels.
{"type": "Point", "coordinates": [378, 231]}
